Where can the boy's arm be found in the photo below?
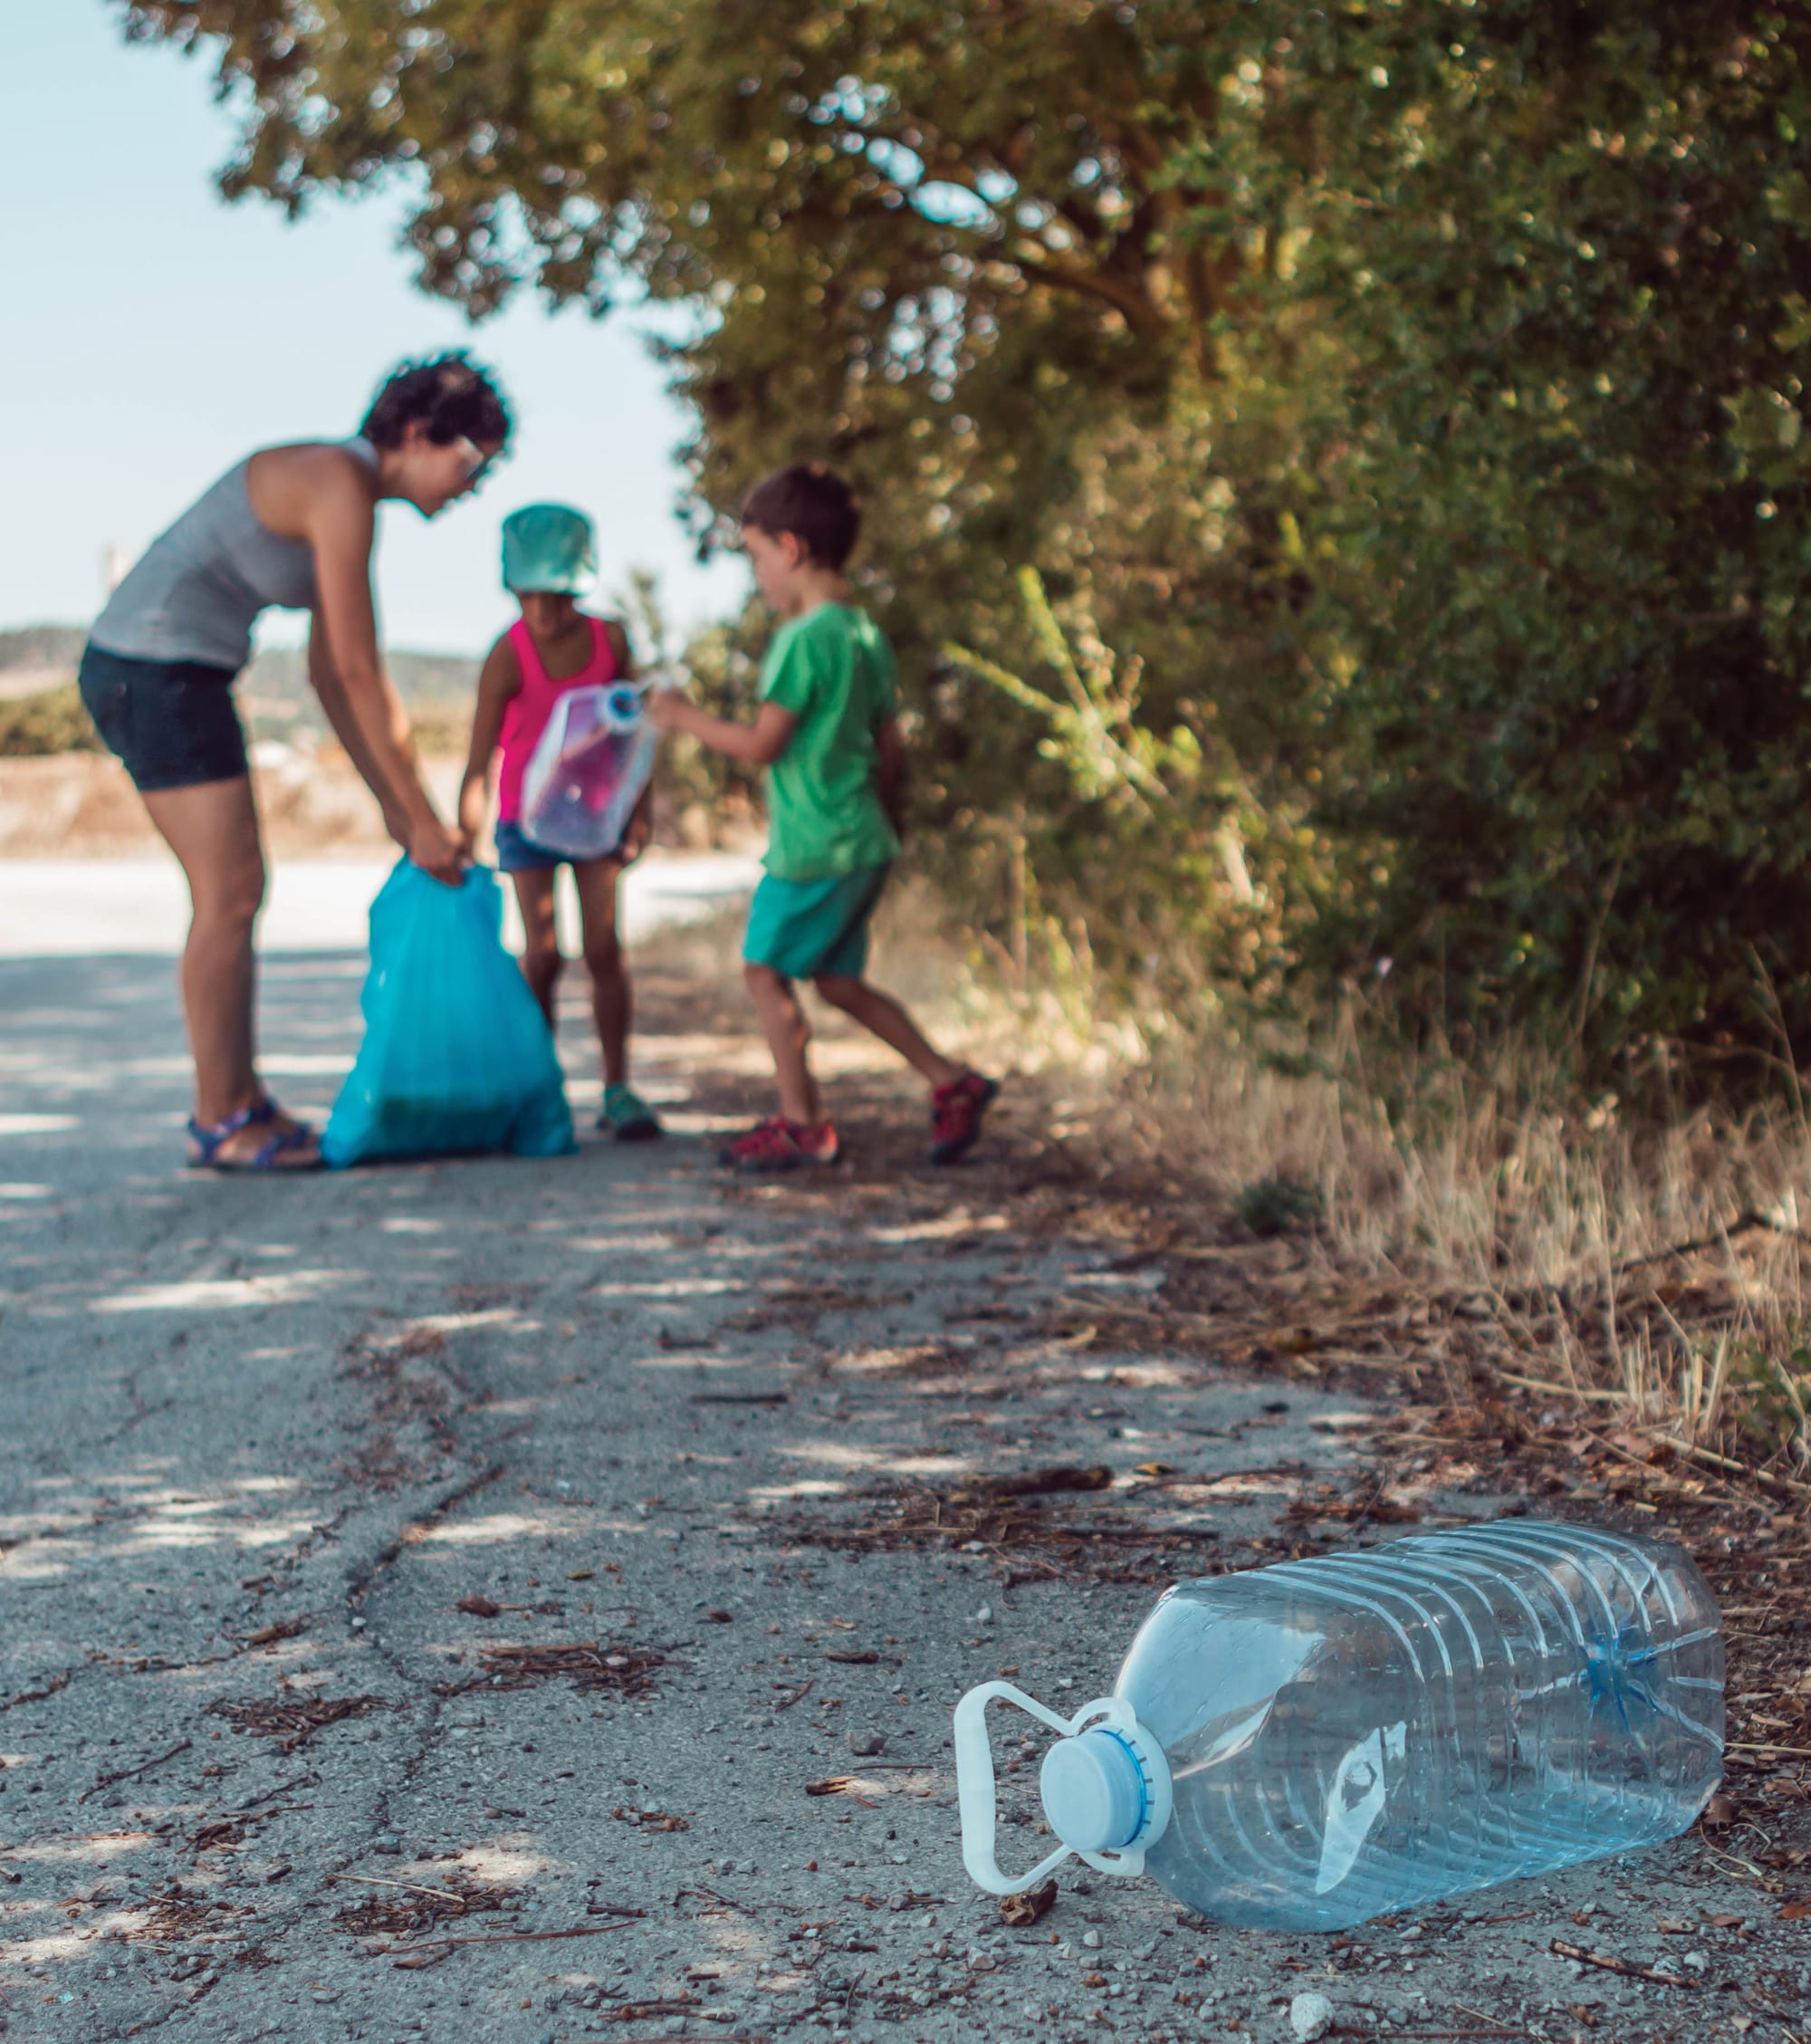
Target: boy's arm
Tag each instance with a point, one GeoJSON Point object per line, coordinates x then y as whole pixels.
{"type": "Point", "coordinates": [890, 774]}
{"type": "Point", "coordinates": [499, 680]}
{"type": "Point", "coordinates": [759, 744]}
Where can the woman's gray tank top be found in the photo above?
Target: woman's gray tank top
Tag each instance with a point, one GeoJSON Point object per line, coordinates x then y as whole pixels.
{"type": "Point", "coordinates": [196, 590]}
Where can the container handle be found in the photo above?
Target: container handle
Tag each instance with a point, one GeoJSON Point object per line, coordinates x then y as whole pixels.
{"type": "Point", "coordinates": [975, 1797]}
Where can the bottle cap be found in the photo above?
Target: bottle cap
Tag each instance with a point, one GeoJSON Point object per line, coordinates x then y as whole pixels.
{"type": "Point", "coordinates": [1094, 1792]}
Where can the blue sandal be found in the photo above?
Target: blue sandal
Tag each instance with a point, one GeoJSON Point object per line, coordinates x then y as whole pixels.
{"type": "Point", "coordinates": [207, 1139]}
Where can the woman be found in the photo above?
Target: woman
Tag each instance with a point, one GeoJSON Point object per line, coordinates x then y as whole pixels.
{"type": "Point", "coordinates": [291, 526]}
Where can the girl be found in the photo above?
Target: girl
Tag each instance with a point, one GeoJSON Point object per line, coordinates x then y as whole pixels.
{"type": "Point", "coordinates": [549, 559]}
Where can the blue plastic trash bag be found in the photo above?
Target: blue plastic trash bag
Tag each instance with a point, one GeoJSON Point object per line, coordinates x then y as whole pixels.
{"type": "Point", "coordinates": [457, 1056]}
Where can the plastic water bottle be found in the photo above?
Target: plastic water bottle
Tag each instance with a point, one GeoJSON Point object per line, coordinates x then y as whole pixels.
{"type": "Point", "coordinates": [1304, 1746]}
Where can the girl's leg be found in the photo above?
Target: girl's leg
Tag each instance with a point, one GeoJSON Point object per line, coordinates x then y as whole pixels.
{"type": "Point", "coordinates": [213, 829]}
{"type": "Point", "coordinates": [540, 953]}
{"type": "Point", "coordinates": [783, 1023]}
{"type": "Point", "coordinates": [882, 1016]}
{"type": "Point", "coordinates": [612, 1002]}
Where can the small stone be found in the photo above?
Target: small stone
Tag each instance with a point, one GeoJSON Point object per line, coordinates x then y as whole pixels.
{"type": "Point", "coordinates": [1310, 2016]}
{"type": "Point", "coordinates": [388, 1842]}
{"type": "Point", "coordinates": [984, 1617]}
{"type": "Point", "coordinates": [1697, 1960]}
{"type": "Point", "coordinates": [864, 1745]}
{"type": "Point", "coordinates": [1092, 1940]}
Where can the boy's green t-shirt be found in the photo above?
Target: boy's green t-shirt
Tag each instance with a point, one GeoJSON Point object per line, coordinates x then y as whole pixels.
{"type": "Point", "coordinates": [834, 671]}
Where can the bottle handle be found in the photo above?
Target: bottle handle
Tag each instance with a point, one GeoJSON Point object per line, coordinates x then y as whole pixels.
{"type": "Point", "coordinates": [975, 1798]}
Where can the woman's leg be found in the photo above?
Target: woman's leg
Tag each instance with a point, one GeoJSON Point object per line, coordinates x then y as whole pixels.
{"type": "Point", "coordinates": [612, 1002]}
{"type": "Point", "coordinates": [213, 829]}
{"type": "Point", "coordinates": [541, 953]}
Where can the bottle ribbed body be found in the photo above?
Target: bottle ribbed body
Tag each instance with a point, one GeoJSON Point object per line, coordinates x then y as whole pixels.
{"type": "Point", "coordinates": [1357, 1733]}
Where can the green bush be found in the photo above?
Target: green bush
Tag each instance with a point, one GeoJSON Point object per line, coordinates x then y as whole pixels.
{"type": "Point", "coordinates": [1279, 1205]}
{"type": "Point", "coordinates": [53, 721]}
{"type": "Point", "coordinates": [1410, 395]}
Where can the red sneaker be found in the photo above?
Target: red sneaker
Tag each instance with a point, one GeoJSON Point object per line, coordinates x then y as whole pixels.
{"type": "Point", "coordinates": [782, 1146]}
{"type": "Point", "coordinates": [955, 1115]}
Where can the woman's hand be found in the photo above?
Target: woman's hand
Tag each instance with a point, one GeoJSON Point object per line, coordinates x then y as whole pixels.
{"type": "Point", "coordinates": [434, 848]}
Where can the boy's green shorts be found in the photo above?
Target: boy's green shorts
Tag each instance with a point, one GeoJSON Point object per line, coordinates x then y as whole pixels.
{"type": "Point", "coordinates": [806, 927]}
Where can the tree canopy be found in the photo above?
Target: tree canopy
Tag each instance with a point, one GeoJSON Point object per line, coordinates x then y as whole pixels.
{"type": "Point", "coordinates": [1408, 392]}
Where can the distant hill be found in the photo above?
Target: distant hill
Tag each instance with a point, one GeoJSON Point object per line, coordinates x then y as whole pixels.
{"type": "Point", "coordinates": [42, 646]}
{"type": "Point", "coordinates": [273, 692]}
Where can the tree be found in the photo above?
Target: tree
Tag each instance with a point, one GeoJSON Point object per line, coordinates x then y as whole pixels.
{"type": "Point", "coordinates": [1408, 391]}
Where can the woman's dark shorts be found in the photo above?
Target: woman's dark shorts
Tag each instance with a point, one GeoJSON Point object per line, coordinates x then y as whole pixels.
{"type": "Point", "coordinates": [171, 722]}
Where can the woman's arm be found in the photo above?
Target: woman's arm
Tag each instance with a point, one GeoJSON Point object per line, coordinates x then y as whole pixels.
{"type": "Point", "coordinates": [499, 682]}
{"type": "Point", "coordinates": [340, 523]}
{"type": "Point", "coordinates": [324, 679]}
{"type": "Point", "coordinates": [759, 744]}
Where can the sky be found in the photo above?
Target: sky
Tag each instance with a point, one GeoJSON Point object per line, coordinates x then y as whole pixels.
{"type": "Point", "coordinates": [151, 335]}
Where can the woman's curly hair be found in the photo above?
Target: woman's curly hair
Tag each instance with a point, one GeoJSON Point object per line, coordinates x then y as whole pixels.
{"type": "Point", "coordinates": [449, 394]}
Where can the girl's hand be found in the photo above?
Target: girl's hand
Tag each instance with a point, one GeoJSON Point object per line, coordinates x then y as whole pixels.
{"type": "Point", "coordinates": [470, 814]}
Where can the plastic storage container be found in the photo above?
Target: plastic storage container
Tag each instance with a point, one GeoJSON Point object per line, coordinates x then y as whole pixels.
{"type": "Point", "coordinates": [1304, 1746]}
{"type": "Point", "coordinates": [588, 771]}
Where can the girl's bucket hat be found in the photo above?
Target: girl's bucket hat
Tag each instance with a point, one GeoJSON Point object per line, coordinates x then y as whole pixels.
{"type": "Point", "coordinates": [550, 548]}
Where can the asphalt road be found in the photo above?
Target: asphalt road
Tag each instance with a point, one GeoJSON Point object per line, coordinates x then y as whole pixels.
{"type": "Point", "coordinates": [500, 1554]}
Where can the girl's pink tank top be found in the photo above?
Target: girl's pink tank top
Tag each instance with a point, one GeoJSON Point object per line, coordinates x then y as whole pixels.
{"type": "Point", "coordinates": [526, 713]}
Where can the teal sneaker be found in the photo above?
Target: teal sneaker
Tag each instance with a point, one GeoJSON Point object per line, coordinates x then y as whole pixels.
{"type": "Point", "coordinates": [628, 1117]}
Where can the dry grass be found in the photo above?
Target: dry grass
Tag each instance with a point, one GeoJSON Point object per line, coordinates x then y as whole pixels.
{"type": "Point", "coordinates": [1652, 1272]}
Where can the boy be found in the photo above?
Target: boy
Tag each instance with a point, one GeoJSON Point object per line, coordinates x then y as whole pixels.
{"type": "Point", "coordinates": [550, 560]}
{"type": "Point", "coordinates": [826, 731]}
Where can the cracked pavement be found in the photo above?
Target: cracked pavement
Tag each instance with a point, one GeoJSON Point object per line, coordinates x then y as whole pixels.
{"type": "Point", "coordinates": [290, 1466]}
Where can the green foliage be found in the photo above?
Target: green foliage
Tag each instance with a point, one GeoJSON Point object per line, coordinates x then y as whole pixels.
{"type": "Point", "coordinates": [53, 721]}
{"type": "Point", "coordinates": [1411, 396]}
{"type": "Point", "coordinates": [1562, 530]}
{"type": "Point", "coordinates": [1277, 1206]}
{"type": "Point", "coordinates": [1773, 1401]}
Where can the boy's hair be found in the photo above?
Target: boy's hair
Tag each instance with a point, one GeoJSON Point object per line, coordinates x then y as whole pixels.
{"type": "Point", "coordinates": [449, 394]}
{"type": "Point", "coordinates": [812, 502]}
